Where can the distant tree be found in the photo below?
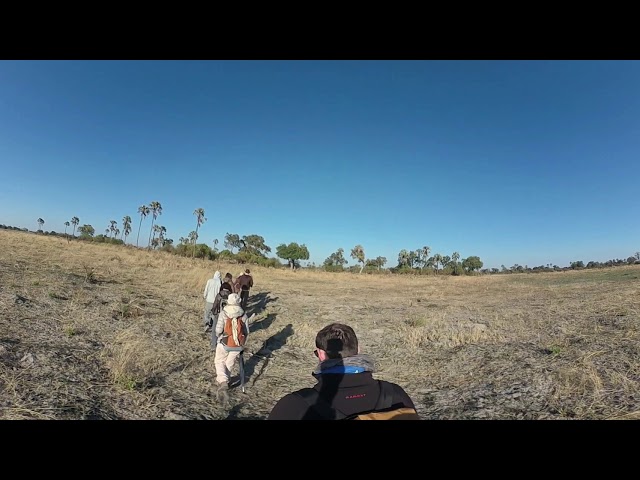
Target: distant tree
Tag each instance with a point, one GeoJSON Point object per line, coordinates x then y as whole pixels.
{"type": "Point", "coordinates": [637, 255]}
{"type": "Point", "coordinates": [472, 263]}
{"type": "Point", "coordinates": [126, 227]}
{"type": "Point", "coordinates": [357, 253]}
{"type": "Point", "coordinates": [577, 265]}
{"type": "Point", "coordinates": [116, 232]}
{"type": "Point", "coordinates": [199, 213]}
{"type": "Point", "coordinates": [193, 237]}
{"type": "Point", "coordinates": [377, 262]}
{"type": "Point", "coordinates": [112, 228]}
{"type": "Point", "coordinates": [254, 245]}
{"type": "Point", "coordinates": [425, 255]}
{"type": "Point", "coordinates": [437, 259]}
{"type": "Point", "coordinates": [156, 209]}
{"type": "Point", "coordinates": [75, 221]}
{"type": "Point", "coordinates": [40, 223]}
{"type": "Point", "coordinates": [215, 244]}
{"type": "Point", "coordinates": [143, 210]}
{"type": "Point", "coordinates": [445, 260]}
{"type": "Point", "coordinates": [66, 224]}
{"type": "Point", "coordinates": [292, 253]}
{"type": "Point", "coordinates": [162, 233]}
{"type": "Point", "coordinates": [86, 231]}
{"type": "Point", "coordinates": [455, 256]}
{"type": "Point", "coordinates": [631, 260]}
{"type": "Point", "coordinates": [336, 259]}
{"type": "Point", "coordinates": [232, 240]}
{"type": "Point", "coordinates": [403, 258]}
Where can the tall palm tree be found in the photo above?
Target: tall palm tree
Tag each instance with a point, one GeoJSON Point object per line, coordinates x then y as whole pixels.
{"type": "Point", "coordinates": [113, 226]}
{"type": "Point", "coordinates": [143, 210]}
{"type": "Point", "coordinates": [40, 223]}
{"type": "Point", "coordinates": [66, 224]}
{"type": "Point", "coordinates": [199, 213]}
{"type": "Point", "coordinates": [156, 209]}
{"type": "Point", "coordinates": [126, 227]}
{"type": "Point", "coordinates": [115, 233]}
{"type": "Point", "coordinates": [75, 221]}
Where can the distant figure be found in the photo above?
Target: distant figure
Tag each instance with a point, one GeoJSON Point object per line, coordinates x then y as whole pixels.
{"type": "Point", "coordinates": [232, 330]}
{"type": "Point", "coordinates": [346, 388]}
{"type": "Point", "coordinates": [211, 290]}
{"type": "Point", "coordinates": [245, 283]}
{"type": "Point", "coordinates": [228, 280]}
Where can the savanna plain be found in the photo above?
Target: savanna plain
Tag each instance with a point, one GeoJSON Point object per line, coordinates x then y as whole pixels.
{"type": "Point", "coordinates": [97, 331]}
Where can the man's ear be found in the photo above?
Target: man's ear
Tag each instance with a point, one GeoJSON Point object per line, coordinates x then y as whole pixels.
{"type": "Point", "coordinates": [322, 355]}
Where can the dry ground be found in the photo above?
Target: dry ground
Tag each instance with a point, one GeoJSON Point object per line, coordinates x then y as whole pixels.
{"type": "Point", "coordinates": [93, 331]}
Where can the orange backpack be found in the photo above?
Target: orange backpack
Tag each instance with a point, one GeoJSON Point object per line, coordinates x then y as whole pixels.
{"type": "Point", "coordinates": [234, 334]}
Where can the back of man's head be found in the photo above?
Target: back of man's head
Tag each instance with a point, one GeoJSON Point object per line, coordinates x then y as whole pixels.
{"type": "Point", "coordinates": [338, 340]}
{"type": "Point", "coordinates": [247, 272]}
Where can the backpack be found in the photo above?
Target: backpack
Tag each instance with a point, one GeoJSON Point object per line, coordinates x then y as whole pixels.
{"type": "Point", "coordinates": [383, 410]}
{"type": "Point", "coordinates": [234, 334]}
{"type": "Point", "coordinates": [221, 301]}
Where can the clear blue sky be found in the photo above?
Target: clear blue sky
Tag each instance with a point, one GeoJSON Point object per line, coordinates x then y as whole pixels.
{"type": "Point", "coordinates": [527, 162]}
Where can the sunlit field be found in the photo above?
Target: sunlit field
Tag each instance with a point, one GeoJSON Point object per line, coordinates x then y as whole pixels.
{"type": "Point", "coordinates": [97, 331]}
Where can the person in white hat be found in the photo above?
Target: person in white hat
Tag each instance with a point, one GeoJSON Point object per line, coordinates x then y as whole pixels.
{"type": "Point", "coordinates": [226, 351]}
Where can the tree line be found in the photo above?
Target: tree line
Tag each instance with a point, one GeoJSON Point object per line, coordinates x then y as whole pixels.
{"type": "Point", "coordinates": [253, 249]}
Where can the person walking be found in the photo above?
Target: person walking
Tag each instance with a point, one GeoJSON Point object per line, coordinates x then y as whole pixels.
{"type": "Point", "coordinates": [245, 284]}
{"type": "Point", "coordinates": [211, 290]}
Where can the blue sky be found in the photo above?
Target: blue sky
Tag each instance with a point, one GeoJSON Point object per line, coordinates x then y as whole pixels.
{"type": "Point", "coordinates": [527, 162]}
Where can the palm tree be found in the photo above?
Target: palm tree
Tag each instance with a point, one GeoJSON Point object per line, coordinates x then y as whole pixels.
{"type": "Point", "coordinates": [193, 236]}
{"type": "Point", "coordinates": [425, 255]}
{"type": "Point", "coordinates": [156, 209]}
{"type": "Point", "coordinates": [162, 232]}
{"type": "Point", "coordinates": [437, 258]}
{"type": "Point", "coordinates": [199, 213]}
{"type": "Point", "coordinates": [115, 233]}
{"type": "Point", "coordinates": [126, 227]}
{"type": "Point", "coordinates": [75, 221]}
{"type": "Point", "coordinates": [66, 224]}
{"type": "Point", "coordinates": [143, 210]}
{"type": "Point", "coordinates": [40, 223]}
{"type": "Point", "coordinates": [112, 228]}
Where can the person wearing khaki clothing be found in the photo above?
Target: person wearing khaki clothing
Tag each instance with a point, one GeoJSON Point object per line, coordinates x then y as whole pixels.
{"type": "Point", "coordinates": [224, 360]}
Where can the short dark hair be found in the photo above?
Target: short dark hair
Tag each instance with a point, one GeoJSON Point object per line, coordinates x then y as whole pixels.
{"type": "Point", "coordinates": [247, 271]}
{"type": "Point", "coordinates": [338, 340]}
{"type": "Point", "coordinates": [228, 276]}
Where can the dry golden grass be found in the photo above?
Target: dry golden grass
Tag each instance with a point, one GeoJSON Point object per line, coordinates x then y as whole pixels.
{"type": "Point", "coordinates": [115, 332]}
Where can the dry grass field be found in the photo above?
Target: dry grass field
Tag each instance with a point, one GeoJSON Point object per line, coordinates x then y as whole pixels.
{"type": "Point", "coordinates": [94, 331]}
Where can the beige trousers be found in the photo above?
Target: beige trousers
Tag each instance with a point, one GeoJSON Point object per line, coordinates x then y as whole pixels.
{"type": "Point", "coordinates": [224, 363]}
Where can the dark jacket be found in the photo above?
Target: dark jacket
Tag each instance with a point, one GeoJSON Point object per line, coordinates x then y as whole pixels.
{"type": "Point", "coordinates": [221, 297]}
{"type": "Point", "coordinates": [350, 393]}
{"type": "Point", "coordinates": [245, 282]}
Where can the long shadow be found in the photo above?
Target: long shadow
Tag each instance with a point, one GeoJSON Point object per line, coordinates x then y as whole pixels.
{"type": "Point", "coordinates": [258, 302]}
{"type": "Point", "coordinates": [273, 343]}
{"type": "Point", "coordinates": [263, 324]}
{"type": "Point", "coordinates": [234, 414]}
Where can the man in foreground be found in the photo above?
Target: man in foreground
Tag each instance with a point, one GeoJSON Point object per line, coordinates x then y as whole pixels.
{"type": "Point", "coordinates": [346, 387]}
